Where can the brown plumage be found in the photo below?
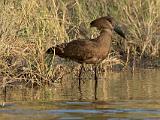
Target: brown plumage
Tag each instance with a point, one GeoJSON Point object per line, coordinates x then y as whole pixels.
{"type": "Point", "coordinates": [88, 51]}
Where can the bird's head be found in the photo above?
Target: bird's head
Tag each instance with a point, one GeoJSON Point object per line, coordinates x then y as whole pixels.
{"type": "Point", "coordinates": [107, 22]}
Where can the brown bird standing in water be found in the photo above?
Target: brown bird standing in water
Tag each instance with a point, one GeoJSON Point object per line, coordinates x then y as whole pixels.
{"type": "Point", "coordinates": [91, 51]}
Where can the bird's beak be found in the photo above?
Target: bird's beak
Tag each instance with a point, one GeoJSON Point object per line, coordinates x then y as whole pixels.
{"type": "Point", "coordinates": [118, 30]}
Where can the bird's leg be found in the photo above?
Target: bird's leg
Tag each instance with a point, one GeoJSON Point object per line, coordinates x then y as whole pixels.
{"type": "Point", "coordinates": [80, 73]}
{"type": "Point", "coordinates": [5, 93]}
{"type": "Point", "coordinates": [95, 73]}
{"type": "Point", "coordinates": [95, 92]}
{"type": "Point", "coordinates": [96, 81]}
{"type": "Point", "coordinates": [79, 80]}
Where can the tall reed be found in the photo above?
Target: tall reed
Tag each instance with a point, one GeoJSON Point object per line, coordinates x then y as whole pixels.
{"type": "Point", "coordinates": [29, 27]}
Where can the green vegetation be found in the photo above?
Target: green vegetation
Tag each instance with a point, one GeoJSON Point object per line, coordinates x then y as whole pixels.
{"type": "Point", "coordinates": [29, 27]}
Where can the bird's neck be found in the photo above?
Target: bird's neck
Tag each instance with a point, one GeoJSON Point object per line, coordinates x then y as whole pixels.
{"type": "Point", "coordinates": [105, 36]}
{"type": "Point", "coordinates": [105, 32]}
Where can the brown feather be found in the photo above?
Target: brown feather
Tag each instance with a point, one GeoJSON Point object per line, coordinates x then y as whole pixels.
{"type": "Point", "coordinates": [89, 51]}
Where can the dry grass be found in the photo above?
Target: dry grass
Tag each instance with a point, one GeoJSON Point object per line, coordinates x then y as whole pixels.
{"type": "Point", "coordinates": [29, 27]}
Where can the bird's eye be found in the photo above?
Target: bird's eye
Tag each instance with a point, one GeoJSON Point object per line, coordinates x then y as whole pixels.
{"type": "Point", "coordinates": [110, 20]}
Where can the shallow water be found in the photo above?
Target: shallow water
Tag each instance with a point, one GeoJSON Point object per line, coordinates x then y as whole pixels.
{"type": "Point", "coordinates": [115, 96]}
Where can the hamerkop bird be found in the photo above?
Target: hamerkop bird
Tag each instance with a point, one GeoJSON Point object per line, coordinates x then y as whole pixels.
{"type": "Point", "coordinates": [91, 51]}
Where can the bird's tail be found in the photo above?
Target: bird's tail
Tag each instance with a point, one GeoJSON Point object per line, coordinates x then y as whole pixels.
{"type": "Point", "coordinates": [57, 50]}
{"type": "Point", "coordinates": [51, 50]}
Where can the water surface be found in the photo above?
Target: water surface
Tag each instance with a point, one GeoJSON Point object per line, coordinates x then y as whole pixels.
{"type": "Point", "coordinates": [115, 96]}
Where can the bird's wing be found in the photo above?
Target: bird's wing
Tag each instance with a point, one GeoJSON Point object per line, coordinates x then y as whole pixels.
{"type": "Point", "coordinates": [79, 50]}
